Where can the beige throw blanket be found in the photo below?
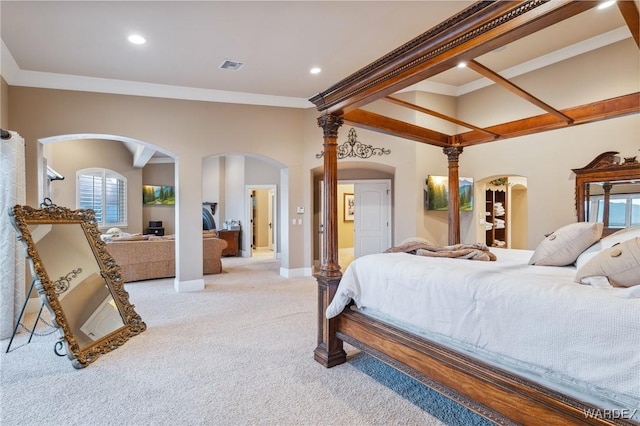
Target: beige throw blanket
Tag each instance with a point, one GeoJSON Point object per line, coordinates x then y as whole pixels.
{"type": "Point", "coordinates": [477, 251]}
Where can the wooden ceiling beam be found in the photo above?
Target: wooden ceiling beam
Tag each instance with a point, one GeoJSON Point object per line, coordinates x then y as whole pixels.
{"type": "Point", "coordinates": [497, 78]}
{"type": "Point", "coordinates": [631, 16]}
{"type": "Point", "coordinates": [596, 111]}
{"type": "Point", "coordinates": [477, 30]}
{"type": "Point", "coordinates": [390, 126]}
{"type": "Point", "coordinates": [437, 114]}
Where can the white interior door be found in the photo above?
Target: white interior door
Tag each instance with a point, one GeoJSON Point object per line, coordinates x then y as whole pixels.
{"type": "Point", "coordinates": [372, 225]}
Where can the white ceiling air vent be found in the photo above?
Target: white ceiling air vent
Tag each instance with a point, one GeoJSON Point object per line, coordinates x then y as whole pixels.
{"type": "Point", "coordinates": [231, 65]}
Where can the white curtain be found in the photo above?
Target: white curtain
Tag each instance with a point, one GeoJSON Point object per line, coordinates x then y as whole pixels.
{"type": "Point", "coordinates": [12, 261]}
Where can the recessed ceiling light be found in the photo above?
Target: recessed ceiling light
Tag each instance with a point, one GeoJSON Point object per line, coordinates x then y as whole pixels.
{"type": "Point", "coordinates": [606, 4]}
{"type": "Point", "coordinates": [137, 39]}
{"type": "Point", "coordinates": [315, 70]}
{"type": "Point", "coordinates": [462, 65]}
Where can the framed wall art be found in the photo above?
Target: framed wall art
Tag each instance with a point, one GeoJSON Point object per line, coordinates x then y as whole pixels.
{"type": "Point", "coordinates": [158, 195]}
{"type": "Point", "coordinates": [349, 207]}
{"type": "Point", "coordinates": [436, 193]}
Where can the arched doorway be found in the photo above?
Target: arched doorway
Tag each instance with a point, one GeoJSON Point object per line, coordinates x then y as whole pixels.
{"type": "Point", "coordinates": [504, 218]}
{"type": "Point", "coordinates": [129, 157]}
{"type": "Point", "coordinates": [232, 180]}
{"type": "Point", "coordinates": [374, 182]}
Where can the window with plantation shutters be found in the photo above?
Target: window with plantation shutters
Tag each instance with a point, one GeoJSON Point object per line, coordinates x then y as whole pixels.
{"type": "Point", "coordinates": [105, 192]}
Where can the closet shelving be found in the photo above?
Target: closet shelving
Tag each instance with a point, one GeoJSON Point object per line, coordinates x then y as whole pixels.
{"type": "Point", "coordinates": [496, 217]}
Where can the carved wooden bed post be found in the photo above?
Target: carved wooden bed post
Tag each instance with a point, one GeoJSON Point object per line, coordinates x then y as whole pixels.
{"type": "Point", "coordinates": [453, 153]}
{"type": "Point", "coordinates": [329, 351]}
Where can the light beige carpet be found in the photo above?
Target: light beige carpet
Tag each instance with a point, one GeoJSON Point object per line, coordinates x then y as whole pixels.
{"type": "Point", "coordinates": [238, 353]}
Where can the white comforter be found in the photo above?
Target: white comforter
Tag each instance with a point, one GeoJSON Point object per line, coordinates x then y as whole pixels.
{"type": "Point", "coordinates": [530, 319]}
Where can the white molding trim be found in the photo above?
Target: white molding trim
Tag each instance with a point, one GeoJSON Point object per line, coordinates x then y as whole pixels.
{"type": "Point", "coordinates": [9, 68]}
{"type": "Point", "coordinates": [161, 160]}
{"type": "Point", "coordinates": [295, 273]}
{"type": "Point", "coordinates": [15, 76]}
{"type": "Point", "coordinates": [142, 155]}
{"type": "Point", "coordinates": [188, 286]}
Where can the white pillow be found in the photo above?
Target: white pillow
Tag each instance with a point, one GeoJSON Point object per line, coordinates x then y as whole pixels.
{"type": "Point", "coordinates": [563, 247]}
{"type": "Point", "coordinates": [619, 264]}
{"type": "Point", "coordinates": [607, 242]}
{"type": "Point", "coordinates": [114, 232]}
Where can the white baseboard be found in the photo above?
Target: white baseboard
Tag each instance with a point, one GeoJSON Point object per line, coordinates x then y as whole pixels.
{"type": "Point", "coordinates": [188, 286]}
{"type": "Point", "coordinates": [294, 273]}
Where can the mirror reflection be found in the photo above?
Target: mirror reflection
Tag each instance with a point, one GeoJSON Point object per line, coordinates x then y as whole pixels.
{"type": "Point", "coordinates": [87, 302]}
{"type": "Point", "coordinates": [615, 203]}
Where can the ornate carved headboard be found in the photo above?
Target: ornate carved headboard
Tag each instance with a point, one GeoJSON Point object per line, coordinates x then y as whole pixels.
{"type": "Point", "coordinates": [606, 172]}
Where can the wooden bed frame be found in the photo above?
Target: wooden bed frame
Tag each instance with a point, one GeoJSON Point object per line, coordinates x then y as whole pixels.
{"type": "Point", "coordinates": [493, 393]}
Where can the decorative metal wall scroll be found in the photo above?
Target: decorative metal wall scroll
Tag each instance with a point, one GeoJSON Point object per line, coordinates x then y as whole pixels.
{"type": "Point", "coordinates": [62, 284]}
{"type": "Point", "coordinates": [354, 148]}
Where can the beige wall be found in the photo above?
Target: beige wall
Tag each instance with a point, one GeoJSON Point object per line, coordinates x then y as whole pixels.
{"type": "Point", "coordinates": [545, 159]}
{"type": "Point", "coordinates": [67, 157]}
{"type": "Point", "coordinates": [159, 174]}
{"type": "Point", "coordinates": [192, 131]}
{"type": "Point", "coordinates": [188, 130]}
{"type": "Point", "coordinates": [4, 104]}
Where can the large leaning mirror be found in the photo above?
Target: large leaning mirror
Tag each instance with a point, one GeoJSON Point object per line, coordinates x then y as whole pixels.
{"type": "Point", "coordinates": [77, 280]}
{"type": "Point", "coordinates": [608, 191]}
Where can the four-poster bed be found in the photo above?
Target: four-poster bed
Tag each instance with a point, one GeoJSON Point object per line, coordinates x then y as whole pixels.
{"type": "Point", "coordinates": [491, 391]}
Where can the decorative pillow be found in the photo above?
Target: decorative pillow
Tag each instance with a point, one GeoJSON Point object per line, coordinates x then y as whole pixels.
{"type": "Point", "coordinates": [607, 242]}
{"type": "Point", "coordinates": [111, 233]}
{"type": "Point", "coordinates": [620, 264]}
{"type": "Point", "coordinates": [563, 247]}
{"type": "Point", "coordinates": [410, 244]}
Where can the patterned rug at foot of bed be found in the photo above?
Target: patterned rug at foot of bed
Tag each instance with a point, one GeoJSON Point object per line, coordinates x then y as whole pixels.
{"type": "Point", "coordinates": [437, 405]}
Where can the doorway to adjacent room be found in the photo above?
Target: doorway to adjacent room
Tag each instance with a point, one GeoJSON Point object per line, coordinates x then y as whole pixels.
{"type": "Point", "coordinates": [262, 214]}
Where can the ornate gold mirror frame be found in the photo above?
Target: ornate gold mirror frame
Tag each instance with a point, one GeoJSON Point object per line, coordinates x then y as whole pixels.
{"type": "Point", "coordinates": [77, 279]}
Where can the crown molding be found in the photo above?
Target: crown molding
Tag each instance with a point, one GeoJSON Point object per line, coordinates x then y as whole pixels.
{"type": "Point", "coordinates": [15, 76]}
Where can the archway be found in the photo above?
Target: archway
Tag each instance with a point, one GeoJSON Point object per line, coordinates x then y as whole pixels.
{"type": "Point", "coordinates": [124, 155]}
{"type": "Point", "coordinates": [502, 211]}
{"type": "Point", "coordinates": [229, 179]}
{"type": "Point", "coordinates": [350, 173]}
